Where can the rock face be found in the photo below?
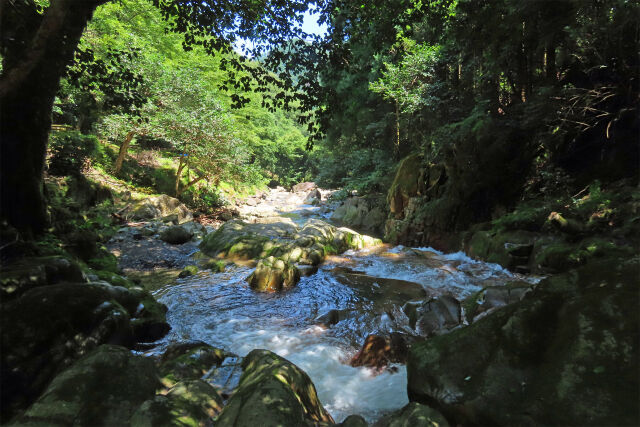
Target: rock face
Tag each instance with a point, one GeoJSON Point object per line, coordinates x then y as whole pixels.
{"type": "Point", "coordinates": [413, 415]}
{"type": "Point", "coordinates": [103, 388]}
{"type": "Point", "coordinates": [406, 184]}
{"type": "Point", "coordinates": [273, 392]}
{"type": "Point", "coordinates": [159, 207]}
{"type": "Point", "coordinates": [566, 354]}
{"type": "Point", "coordinates": [362, 213]}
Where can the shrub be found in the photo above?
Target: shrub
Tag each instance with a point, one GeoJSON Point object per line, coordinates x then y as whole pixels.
{"type": "Point", "coordinates": [70, 152]}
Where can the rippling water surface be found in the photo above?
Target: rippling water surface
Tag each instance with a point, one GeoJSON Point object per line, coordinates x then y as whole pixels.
{"type": "Point", "coordinates": [367, 286]}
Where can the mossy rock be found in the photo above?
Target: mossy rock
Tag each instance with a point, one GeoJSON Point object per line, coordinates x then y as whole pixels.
{"type": "Point", "coordinates": [273, 274]}
{"type": "Point", "coordinates": [216, 266]}
{"type": "Point", "coordinates": [405, 184]}
{"type": "Point", "coordinates": [176, 235]}
{"type": "Point", "coordinates": [567, 354]}
{"type": "Point", "coordinates": [189, 270]}
{"type": "Point", "coordinates": [28, 273]}
{"type": "Point", "coordinates": [104, 260]}
{"type": "Point", "coordinates": [103, 388]}
{"type": "Point", "coordinates": [51, 326]}
{"type": "Point", "coordinates": [235, 240]}
{"type": "Point", "coordinates": [188, 403]}
{"type": "Point", "coordinates": [508, 248]}
{"type": "Point", "coordinates": [273, 392]}
{"type": "Point", "coordinates": [413, 415]}
{"type": "Point", "coordinates": [189, 360]}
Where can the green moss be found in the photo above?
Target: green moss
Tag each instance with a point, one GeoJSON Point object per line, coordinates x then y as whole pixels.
{"type": "Point", "coordinates": [104, 261]}
{"type": "Point", "coordinates": [215, 266]}
{"type": "Point", "coordinates": [189, 270]}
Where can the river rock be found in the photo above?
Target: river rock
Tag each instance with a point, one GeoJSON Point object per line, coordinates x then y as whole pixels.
{"type": "Point", "coordinates": [304, 187]}
{"type": "Point", "coordinates": [413, 415]}
{"type": "Point", "coordinates": [103, 388]}
{"type": "Point", "coordinates": [362, 213]}
{"type": "Point", "coordinates": [28, 273]}
{"type": "Point", "coordinates": [159, 207]}
{"type": "Point", "coordinates": [272, 392]}
{"type": "Point", "coordinates": [314, 197]}
{"type": "Point", "coordinates": [378, 352]}
{"type": "Point", "coordinates": [192, 402]}
{"type": "Point", "coordinates": [438, 315]}
{"type": "Point", "coordinates": [176, 234]}
{"type": "Point", "coordinates": [274, 274]}
{"type": "Point", "coordinates": [190, 360]}
{"type": "Point", "coordinates": [566, 354]}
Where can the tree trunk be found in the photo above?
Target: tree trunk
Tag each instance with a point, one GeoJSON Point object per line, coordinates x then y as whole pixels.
{"type": "Point", "coordinates": [397, 129]}
{"type": "Point", "coordinates": [190, 184]}
{"type": "Point", "coordinates": [28, 85]}
{"type": "Point", "coordinates": [181, 166]}
{"type": "Point", "coordinates": [123, 152]}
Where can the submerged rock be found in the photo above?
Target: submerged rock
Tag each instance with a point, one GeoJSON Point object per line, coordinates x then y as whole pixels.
{"type": "Point", "coordinates": [378, 352]}
{"type": "Point", "coordinates": [566, 354]}
{"type": "Point", "coordinates": [273, 392]}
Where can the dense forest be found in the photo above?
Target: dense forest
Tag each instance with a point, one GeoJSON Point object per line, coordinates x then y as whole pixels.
{"type": "Point", "coordinates": [151, 149]}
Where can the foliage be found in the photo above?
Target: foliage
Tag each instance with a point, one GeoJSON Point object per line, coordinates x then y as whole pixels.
{"type": "Point", "coordinates": [70, 152]}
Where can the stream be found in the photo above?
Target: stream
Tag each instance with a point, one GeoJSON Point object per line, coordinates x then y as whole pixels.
{"type": "Point", "coordinates": [365, 290]}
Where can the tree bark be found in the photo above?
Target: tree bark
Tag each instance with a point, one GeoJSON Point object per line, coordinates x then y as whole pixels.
{"type": "Point", "coordinates": [123, 152]}
{"type": "Point", "coordinates": [31, 77]}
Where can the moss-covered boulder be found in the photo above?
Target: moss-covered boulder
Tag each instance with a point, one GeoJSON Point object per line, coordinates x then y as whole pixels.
{"type": "Point", "coordinates": [510, 249]}
{"type": "Point", "coordinates": [189, 360]}
{"type": "Point", "coordinates": [159, 207]}
{"type": "Point", "coordinates": [28, 273]}
{"type": "Point", "coordinates": [103, 388]}
{"type": "Point", "coordinates": [273, 392]}
{"type": "Point", "coordinates": [567, 354]}
{"type": "Point", "coordinates": [49, 327]}
{"type": "Point", "coordinates": [176, 234]}
{"type": "Point", "coordinates": [413, 415]}
{"type": "Point", "coordinates": [238, 240]}
{"type": "Point", "coordinates": [273, 274]}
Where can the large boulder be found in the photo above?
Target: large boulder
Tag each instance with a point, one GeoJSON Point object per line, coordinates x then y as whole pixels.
{"type": "Point", "coordinates": [28, 273]}
{"type": "Point", "coordinates": [103, 388]}
{"type": "Point", "coordinates": [566, 354]}
{"type": "Point", "coordinates": [240, 240]}
{"type": "Point", "coordinates": [273, 274]}
{"type": "Point", "coordinates": [49, 327]}
{"type": "Point", "coordinates": [273, 392]}
{"type": "Point", "coordinates": [281, 238]}
{"type": "Point", "coordinates": [190, 360]}
{"type": "Point", "coordinates": [314, 197]}
{"type": "Point", "coordinates": [176, 234]}
{"type": "Point", "coordinates": [160, 207]}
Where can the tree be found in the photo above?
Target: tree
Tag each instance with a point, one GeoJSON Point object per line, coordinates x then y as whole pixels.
{"type": "Point", "coordinates": [39, 41]}
{"type": "Point", "coordinates": [406, 83]}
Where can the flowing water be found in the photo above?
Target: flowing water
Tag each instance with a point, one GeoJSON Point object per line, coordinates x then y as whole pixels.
{"type": "Point", "coordinates": [367, 288]}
